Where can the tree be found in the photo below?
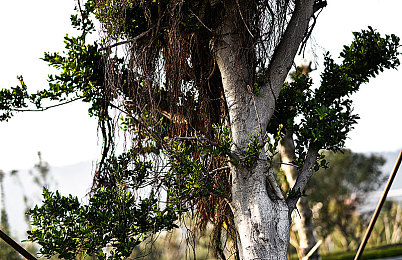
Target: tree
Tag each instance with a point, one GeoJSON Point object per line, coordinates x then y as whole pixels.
{"type": "Point", "coordinates": [201, 90]}
{"type": "Point", "coordinates": [340, 188]}
{"type": "Point", "coordinates": [388, 228]}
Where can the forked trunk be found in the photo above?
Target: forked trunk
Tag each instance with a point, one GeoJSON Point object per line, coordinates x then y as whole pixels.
{"type": "Point", "coordinates": [261, 213]}
{"type": "Point", "coordinates": [262, 222]}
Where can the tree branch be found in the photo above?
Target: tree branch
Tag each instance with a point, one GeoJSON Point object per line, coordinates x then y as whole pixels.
{"type": "Point", "coordinates": [139, 36]}
{"type": "Point", "coordinates": [284, 54]}
{"type": "Point", "coordinates": [274, 184]}
{"type": "Point", "coordinates": [288, 164]}
{"type": "Point", "coordinates": [304, 176]}
{"type": "Point", "coordinates": [46, 108]}
{"type": "Point", "coordinates": [219, 169]}
{"type": "Point", "coordinates": [203, 24]}
{"type": "Point", "coordinates": [319, 5]}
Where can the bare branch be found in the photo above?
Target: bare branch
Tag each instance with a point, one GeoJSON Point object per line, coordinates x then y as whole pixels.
{"type": "Point", "coordinates": [317, 8]}
{"type": "Point", "coordinates": [203, 24]}
{"type": "Point", "coordinates": [274, 184]}
{"type": "Point", "coordinates": [256, 111]}
{"type": "Point", "coordinates": [244, 21]}
{"type": "Point", "coordinates": [79, 8]}
{"type": "Point", "coordinates": [284, 163]}
{"type": "Point", "coordinates": [46, 108]}
{"type": "Point", "coordinates": [192, 138]}
{"type": "Point", "coordinates": [220, 169]}
{"type": "Point", "coordinates": [319, 5]}
{"type": "Point", "coordinates": [136, 38]}
{"type": "Point", "coordinates": [304, 176]}
{"type": "Point", "coordinates": [286, 50]}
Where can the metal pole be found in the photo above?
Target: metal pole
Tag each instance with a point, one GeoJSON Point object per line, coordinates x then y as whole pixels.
{"type": "Point", "coordinates": [378, 209]}
{"type": "Point", "coordinates": [16, 246]}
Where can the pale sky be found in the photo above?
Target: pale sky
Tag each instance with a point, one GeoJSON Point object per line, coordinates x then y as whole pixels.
{"type": "Point", "coordinates": [66, 135]}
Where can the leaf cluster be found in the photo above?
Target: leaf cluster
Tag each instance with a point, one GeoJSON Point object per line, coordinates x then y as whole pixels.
{"type": "Point", "coordinates": [113, 218]}
{"type": "Point", "coordinates": [81, 75]}
{"type": "Point", "coordinates": [15, 97]}
{"type": "Point", "coordinates": [323, 117]}
{"type": "Point", "coordinates": [189, 178]}
{"type": "Point", "coordinates": [252, 151]}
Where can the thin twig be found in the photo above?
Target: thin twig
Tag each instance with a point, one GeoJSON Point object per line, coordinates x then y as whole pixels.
{"type": "Point", "coordinates": [80, 9]}
{"type": "Point", "coordinates": [230, 205]}
{"type": "Point", "coordinates": [307, 36]}
{"type": "Point", "coordinates": [290, 164]}
{"type": "Point", "coordinates": [305, 174]}
{"type": "Point", "coordinates": [317, 7]}
{"type": "Point", "coordinates": [271, 27]}
{"type": "Point", "coordinates": [45, 108]}
{"type": "Point", "coordinates": [191, 138]}
{"type": "Point", "coordinates": [220, 169]}
{"type": "Point", "coordinates": [274, 184]}
{"type": "Point", "coordinates": [203, 24]}
{"type": "Point", "coordinates": [128, 41]}
{"type": "Point", "coordinates": [146, 127]}
{"type": "Point", "coordinates": [244, 21]}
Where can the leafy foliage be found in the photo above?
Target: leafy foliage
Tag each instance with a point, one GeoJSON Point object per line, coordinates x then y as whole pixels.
{"type": "Point", "coordinates": [113, 218]}
{"type": "Point", "coordinates": [323, 117]}
{"type": "Point", "coordinates": [172, 103]}
{"type": "Point", "coordinates": [12, 98]}
{"type": "Point", "coordinates": [252, 151]}
{"type": "Point", "coordinates": [81, 75]}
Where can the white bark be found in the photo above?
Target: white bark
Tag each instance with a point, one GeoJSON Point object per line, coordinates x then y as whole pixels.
{"type": "Point", "coordinates": [262, 221]}
{"type": "Point", "coordinates": [260, 212]}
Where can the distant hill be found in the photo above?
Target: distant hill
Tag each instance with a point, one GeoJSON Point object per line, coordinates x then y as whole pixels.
{"type": "Point", "coordinates": [73, 179]}
{"type": "Point", "coordinates": [390, 158]}
{"type": "Point", "coordinates": [396, 188]}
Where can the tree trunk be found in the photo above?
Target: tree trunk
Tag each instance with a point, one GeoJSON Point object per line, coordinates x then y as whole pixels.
{"type": "Point", "coordinates": [262, 222]}
{"type": "Point", "coordinates": [305, 229]}
{"type": "Point", "coordinates": [304, 220]}
{"type": "Point", "coordinates": [261, 213]}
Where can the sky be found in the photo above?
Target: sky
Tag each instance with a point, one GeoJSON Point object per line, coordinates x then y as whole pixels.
{"type": "Point", "coordinates": [67, 135]}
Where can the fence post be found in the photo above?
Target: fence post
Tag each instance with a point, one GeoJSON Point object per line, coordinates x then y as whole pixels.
{"type": "Point", "coordinates": [16, 246]}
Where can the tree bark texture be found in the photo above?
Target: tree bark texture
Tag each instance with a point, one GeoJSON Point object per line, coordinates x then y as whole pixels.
{"type": "Point", "coordinates": [261, 213]}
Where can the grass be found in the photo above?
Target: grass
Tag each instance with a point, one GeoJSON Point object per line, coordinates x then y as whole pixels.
{"type": "Point", "coordinates": [371, 253]}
